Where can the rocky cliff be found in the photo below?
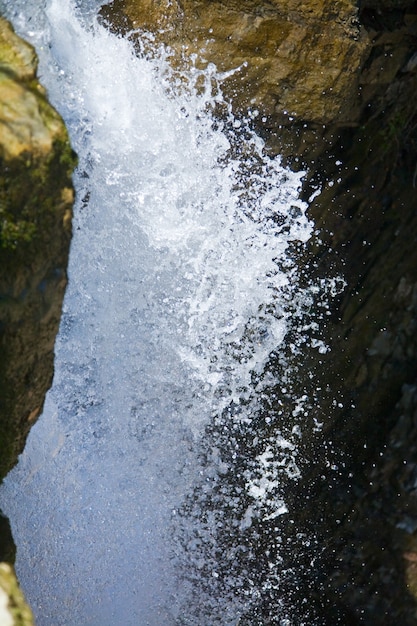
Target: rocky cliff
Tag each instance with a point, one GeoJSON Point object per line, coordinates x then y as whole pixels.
{"type": "Point", "coordinates": [335, 85]}
{"type": "Point", "coordinates": [36, 195]}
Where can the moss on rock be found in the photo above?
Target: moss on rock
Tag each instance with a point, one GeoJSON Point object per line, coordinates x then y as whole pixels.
{"type": "Point", "coordinates": [13, 608]}
{"type": "Point", "coordinates": [36, 196]}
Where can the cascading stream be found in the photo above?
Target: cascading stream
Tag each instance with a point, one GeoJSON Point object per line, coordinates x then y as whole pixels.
{"type": "Point", "coordinates": [181, 286]}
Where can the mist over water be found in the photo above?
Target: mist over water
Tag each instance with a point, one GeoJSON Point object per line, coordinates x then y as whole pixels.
{"type": "Point", "coordinates": [182, 283]}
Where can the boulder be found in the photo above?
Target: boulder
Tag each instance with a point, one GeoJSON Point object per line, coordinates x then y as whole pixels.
{"type": "Point", "coordinates": [36, 198]}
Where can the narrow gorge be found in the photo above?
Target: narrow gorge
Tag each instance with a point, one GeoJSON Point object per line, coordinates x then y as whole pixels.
{"type": "Point", "coordinates": [295, 371]}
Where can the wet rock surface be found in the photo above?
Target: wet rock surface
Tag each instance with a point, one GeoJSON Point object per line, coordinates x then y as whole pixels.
{"type": "Point", "coordinates": [369, 227]}
{"type": "Point", "coordinates": [35, 230]}
{"type": "Point", "coordinates": [36, 197]}
{"type": "Point", "coordinates": [335, 85]}
{"type": "Point", "coordinates": [282, 56]}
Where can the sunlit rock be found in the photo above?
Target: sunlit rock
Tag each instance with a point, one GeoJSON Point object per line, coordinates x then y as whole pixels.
{"type": "Point", "coordinates": [35, 230]}
{"type": "Point", "coordinates": [303, 59]}
{"type": "Point", "coordinates": [27, 122]}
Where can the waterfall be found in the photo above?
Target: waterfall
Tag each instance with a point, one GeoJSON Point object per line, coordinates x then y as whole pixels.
{"type": "Point", "coordinates": [183, 286]}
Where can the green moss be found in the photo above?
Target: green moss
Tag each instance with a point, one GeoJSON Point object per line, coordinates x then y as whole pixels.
{"type": "Point", "coordinates": [28, 197]}
{"type": "Point", "coordinates": [17, 607]}
{"type": "Point", "coordinates": [14, 232]}
{"type": "Point", "coordinates": [35, 194]}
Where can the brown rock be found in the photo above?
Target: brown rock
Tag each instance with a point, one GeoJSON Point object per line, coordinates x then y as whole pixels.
{"type": "Point", "coordinates": [302, 59]}
{"type": "Point", "coordinates": [26, 123]}
{"type": "Point", "coordinates": [36, 198]}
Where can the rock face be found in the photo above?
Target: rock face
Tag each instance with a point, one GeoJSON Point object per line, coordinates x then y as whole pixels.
{"type": "Point", "coordinates": [26, 123]}
{"type": "Point", "coordinates": [300, 58]}
{"type": "Point", "coordinates": [335, 85]}
{"type": "Point", "coordinates": [36, 197]}
{"type": "Point", "coordinates": [35, 229]}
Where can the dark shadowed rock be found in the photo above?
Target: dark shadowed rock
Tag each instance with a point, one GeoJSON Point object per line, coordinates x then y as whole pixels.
{"type": "Point", "coordinates": [335, 84]}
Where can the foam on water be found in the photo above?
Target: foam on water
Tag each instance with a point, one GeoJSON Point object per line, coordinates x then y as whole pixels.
{"type": "Point", "coordinates": [180, 280]}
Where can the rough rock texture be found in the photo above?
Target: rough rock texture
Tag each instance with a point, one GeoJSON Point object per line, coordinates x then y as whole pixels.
{"type": "Point", "coordinates": [367, 513]}
{"type": "Point", "coordinates": [336, 84]}
{"type": "Point", "coordinates": [302, 58]}
{"type": "Point", "coordinates": [27, 123]}
{"type": "Point", "coordinates": [36, 197]}
{"type": "Point", "coordinates": [13, 609]}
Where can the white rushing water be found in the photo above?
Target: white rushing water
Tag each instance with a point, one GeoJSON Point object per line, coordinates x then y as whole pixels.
{"type": "Point", "coordinates": [181, 286]}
